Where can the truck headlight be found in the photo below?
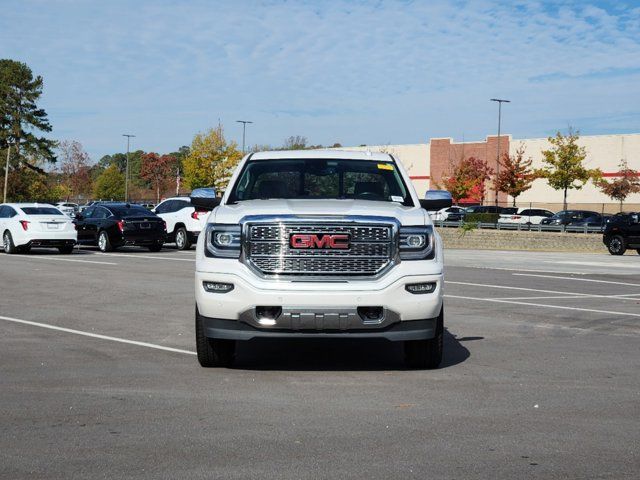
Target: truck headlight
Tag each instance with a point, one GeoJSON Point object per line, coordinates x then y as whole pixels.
{"type": "Point", "coordinates": [416, 243]}
{"type": "Point", "coordinates": [223, 240]}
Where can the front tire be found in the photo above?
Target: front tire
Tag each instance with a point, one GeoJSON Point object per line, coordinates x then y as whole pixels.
{"type": "Point", "coordinates": [213, 352]}
{"type": "Point", "coordinates": [182, 239]}
{"type": "Point", "coordinates": [104, 244]}
{"type": "Point", "coordinates": [638, 250]}
{"type": "Point", "coordinates": [66, 249]}
{"type": "Point", "coordinates": [616, 245]}
{"type": "Point", "coordinates": [427, 354]}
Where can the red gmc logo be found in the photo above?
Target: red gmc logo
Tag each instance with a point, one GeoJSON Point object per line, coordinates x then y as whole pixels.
{"type": "Point", "coordinates": [327, 241]}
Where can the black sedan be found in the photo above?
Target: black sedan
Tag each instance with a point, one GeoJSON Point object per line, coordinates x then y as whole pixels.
{"type": "Point", "coordinates": [580, 218]}
{"type": "Point", "coordinates": [112, 225]}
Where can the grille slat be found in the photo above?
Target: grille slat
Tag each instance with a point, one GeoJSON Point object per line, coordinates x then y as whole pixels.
{"type": "Point", "coordinates": [268, 250]}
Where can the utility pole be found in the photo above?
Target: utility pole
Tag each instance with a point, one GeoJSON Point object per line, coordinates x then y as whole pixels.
{"type": "Point", "coordinates": [6, 172]}
{"type": "Point", "coordinates": [244, 128]}
{"type": "Point", "coordinates": [500, 102]}
{"type": "Point", "coordinates": [126, 174]}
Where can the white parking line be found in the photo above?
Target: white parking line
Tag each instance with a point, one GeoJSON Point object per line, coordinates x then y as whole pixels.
{"type": "Point", "coordinates": [542, 305]}
{"type": "Point", "coordinates": [134, 255]}
{"type": "Point", "coordinates": [578, 279]}
{"type": "Point", "coordinates": [594, 264]}
{"type": "Point", "coordinates": [628, 296]}
{"type": "Point", "coordinates": [522, 288]}
{"type": "Point", "coordinates": [43, 257]}
{"type": "Point", "coordinates": [96, 335]}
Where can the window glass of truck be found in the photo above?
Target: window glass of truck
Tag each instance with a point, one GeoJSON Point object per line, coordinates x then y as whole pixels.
{"type": "Point", "coordinates": [316, 178]}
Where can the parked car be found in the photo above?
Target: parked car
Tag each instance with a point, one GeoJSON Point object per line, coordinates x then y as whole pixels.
{"type": "Point", "coordinates": [69, 209]}
{"type": "Point", "coordinates": [484, 209]}
{"type": "Point", "coordinates": [26, 225]}
{"type": "Point", "coordinates": [622, 232]}
{"type": "Point", "coordinates": [569, 217]}
{"type": "Point", "coordinates": [148, 206]}
{"type": "Point", "coordinates": [110, 225]}
{"type": "Point", "coordinates": [184, 221]}
{"type": "Point", "coordinates": [525, 216]}
{"type": "Point", "coordinates": [82, 208]}
{"type": "Point", "coordinates": [451, 214]}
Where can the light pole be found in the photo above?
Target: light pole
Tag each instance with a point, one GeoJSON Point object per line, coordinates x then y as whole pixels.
{"type": "Point", "coordinates": [244, 128]}
{"type": "Point", "coordinates": [126, 173]}
{"type": "Point", "coordinates": [500, 102]}
{"type": "Point", "coordinates": [6, 172]}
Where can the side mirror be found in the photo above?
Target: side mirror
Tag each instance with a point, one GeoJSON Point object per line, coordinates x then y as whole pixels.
{"type": "Point", "coordinates": [205, 198]}
{"type": "Point", "coordinates": [635, 218]}
{"type": "Point", "coordinates": [436, 199]}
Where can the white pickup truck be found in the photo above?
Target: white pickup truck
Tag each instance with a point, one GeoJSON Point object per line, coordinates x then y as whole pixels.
{"type": "Point", "coordinates": [319, 244]}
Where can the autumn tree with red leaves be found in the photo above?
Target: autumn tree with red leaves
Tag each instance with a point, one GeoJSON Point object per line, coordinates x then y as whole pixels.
{"type": "Point", "coordinates": [627, 182]}
{"type": "Point", "coordinates": [75, 168]}
{"type": "Point", "coordinates": [468, 177]}
{"type": "Point", "coordinates": [516, 174]}
{"type": "Point", "coordinates": [156, 169]}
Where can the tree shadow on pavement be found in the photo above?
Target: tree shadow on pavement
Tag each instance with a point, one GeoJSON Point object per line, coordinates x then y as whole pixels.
{"type": "Point", "coordinates": [335, 354]}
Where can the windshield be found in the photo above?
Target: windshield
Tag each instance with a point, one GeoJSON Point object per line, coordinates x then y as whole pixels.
{"type": "Point", "coordinates": [41, 211]}
{"type": "Point", "coordinates": [320, 179]}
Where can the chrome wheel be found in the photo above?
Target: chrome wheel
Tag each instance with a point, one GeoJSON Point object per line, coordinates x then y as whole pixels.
{"type": "Point", "coordinates": [180, 239]}
{"type": "Point", "coordinates": [102, 242]}
{"type": "Point", "coordinates": [616, 245]}
{"type": "Point", "coordinates": [5, 242]}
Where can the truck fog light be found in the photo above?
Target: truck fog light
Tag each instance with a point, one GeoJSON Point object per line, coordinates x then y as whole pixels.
{"type": "Point", "coordinates": [419, 288]}
{"type": "Point", "coordinates": [416, 241]}
{"type": "Point", "coordinates": [217, 287]}
{"type": "Point", "coordinates": [267, 316]}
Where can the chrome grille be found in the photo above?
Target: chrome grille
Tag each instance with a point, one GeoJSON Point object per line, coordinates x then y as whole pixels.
{"type": "Point", "coordinates": [267, 249]}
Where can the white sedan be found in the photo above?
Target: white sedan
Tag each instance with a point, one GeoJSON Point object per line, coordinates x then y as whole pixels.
{"type": "Point", "coordinates": [26, 225]}
{"type": "Point", "coordinates": [526, 216]}
{"type": "Point", "coordinates": [67, 208]}
{"type": "Point", "coordinates": [456, 213]}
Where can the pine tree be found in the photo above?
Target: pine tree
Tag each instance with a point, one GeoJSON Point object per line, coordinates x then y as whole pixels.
{"type": "Point", "coordinates": [20, 116]}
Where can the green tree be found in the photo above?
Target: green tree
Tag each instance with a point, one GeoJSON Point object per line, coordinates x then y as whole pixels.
{"type": "Point", "coordinates": [211, 160]}
{"type": "Point", "coordinates": [110, 184]}
{"type": "Point", "coordinates": [625, 184]}
{"type": "Point", "coordinates": [516, 174]}
{"type": "Point", "coordinates": [564, 169]}
{"type": "Point", "coordinates": [20, 116]}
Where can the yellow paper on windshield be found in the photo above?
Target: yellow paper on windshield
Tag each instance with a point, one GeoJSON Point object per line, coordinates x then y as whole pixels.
{"type": "Point", "coordinates": [385, 166]}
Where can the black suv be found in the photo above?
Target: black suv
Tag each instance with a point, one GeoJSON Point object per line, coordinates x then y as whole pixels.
{"type": "Point", "coordinates": [622, 232]}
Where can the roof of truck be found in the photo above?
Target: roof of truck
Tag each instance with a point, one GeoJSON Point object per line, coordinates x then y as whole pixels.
{"type": "Point", "coordinates": [323, 154]}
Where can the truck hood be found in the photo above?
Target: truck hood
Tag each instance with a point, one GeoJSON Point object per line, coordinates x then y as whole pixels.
{"type": "Point", "coordinates": [232, 214]}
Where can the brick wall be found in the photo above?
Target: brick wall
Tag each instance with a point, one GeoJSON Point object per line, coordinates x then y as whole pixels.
{"type": "Point", "coordinates": [514, 240]}
{"type": "Point", "coordinates": [444, 153]}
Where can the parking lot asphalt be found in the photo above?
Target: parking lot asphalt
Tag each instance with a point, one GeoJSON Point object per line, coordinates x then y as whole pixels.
{"type": "Point", "coordinates": [98, 378]}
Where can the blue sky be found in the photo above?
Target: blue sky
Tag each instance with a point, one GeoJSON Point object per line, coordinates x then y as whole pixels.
{"type": "Point", "coordinates": [333, 71]}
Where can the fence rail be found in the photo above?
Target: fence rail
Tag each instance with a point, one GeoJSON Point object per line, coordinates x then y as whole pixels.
{"type": "Point", "coordinates": [522, 227]}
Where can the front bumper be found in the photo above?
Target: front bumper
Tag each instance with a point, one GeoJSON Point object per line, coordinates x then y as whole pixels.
{"type": "Point", "coordinates": [400, 331]}
{"type": "Point", "coordinates": [319, 309]}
